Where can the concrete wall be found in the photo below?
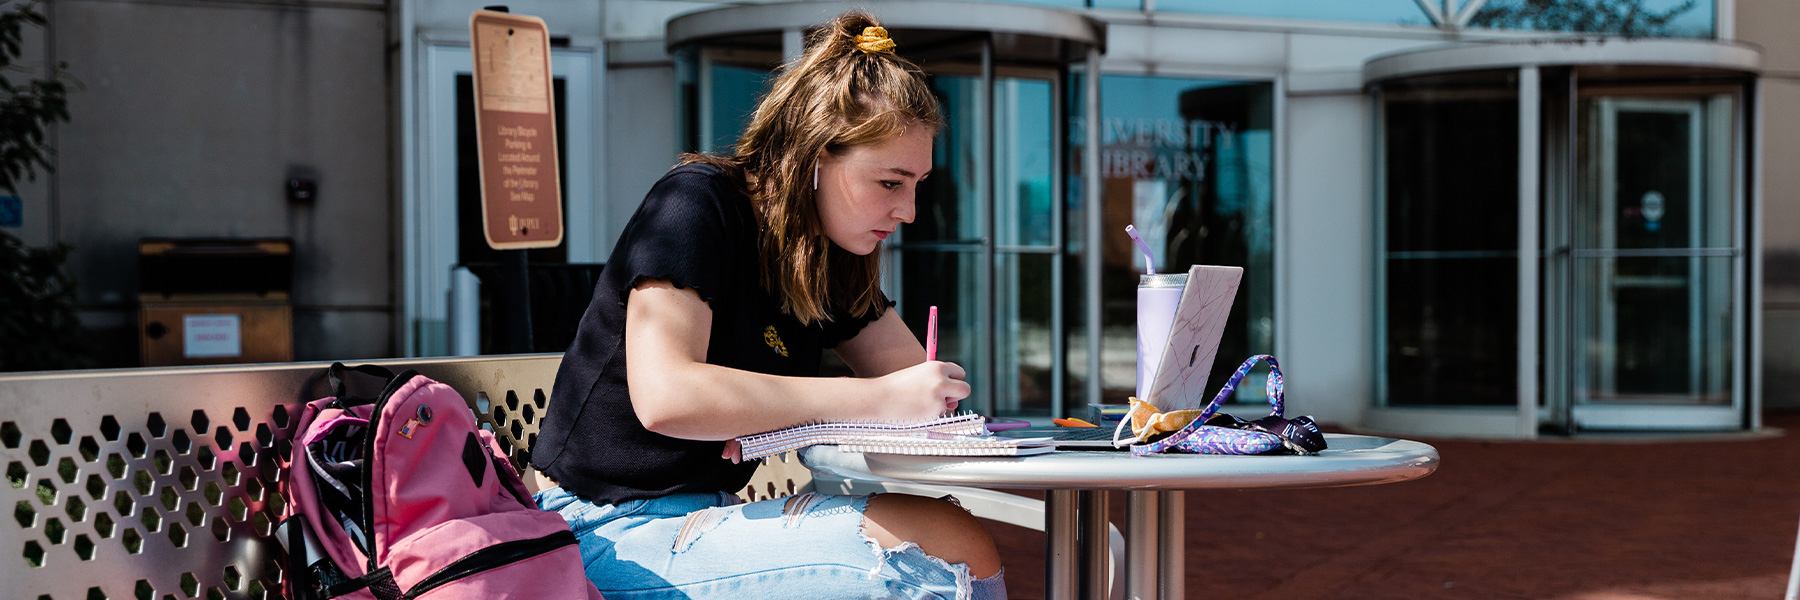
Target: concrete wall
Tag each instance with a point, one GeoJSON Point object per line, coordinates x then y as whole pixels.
{"type": "Point", "coordinates": [640, 131]}
{"type": "Point", "coordinates": [1770, 25]}
{"type": "Point", "coordinates": [564, 18]}
{"type": "Point", "coordinates": [192, 117]}
{"type": "Point", "coordinates": [1328, 311]}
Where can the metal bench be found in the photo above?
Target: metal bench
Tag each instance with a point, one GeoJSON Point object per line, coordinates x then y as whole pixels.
{"type": "Point", "coordinates": [164, 483]}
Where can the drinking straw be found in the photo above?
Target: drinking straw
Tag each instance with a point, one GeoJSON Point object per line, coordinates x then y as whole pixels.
{"type": "Point", "coordinates": [1149, 263]}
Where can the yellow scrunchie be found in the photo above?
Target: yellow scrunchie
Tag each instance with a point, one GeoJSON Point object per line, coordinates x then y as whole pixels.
{"type": "Point", "coordinates": [873, 40]}
{"type": "Point", "coordinates": [1147, 421]}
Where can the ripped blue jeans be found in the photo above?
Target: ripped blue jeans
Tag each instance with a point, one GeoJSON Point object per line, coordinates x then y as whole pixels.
{"type": "Point", "coordinates": [702, 546]}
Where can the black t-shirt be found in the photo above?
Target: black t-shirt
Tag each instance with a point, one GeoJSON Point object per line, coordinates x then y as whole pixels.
{"type": "Point", "coordinates": [698, 231]}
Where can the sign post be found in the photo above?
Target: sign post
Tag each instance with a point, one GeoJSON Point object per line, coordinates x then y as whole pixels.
{"type": "Point", "coordinates": [515, 115]}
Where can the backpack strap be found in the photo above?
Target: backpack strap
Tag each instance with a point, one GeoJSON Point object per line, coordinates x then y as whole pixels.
{"type": "Point", "coordinates": [379, 582]}
{"type": "Point", "coordinates": [337, 373]}
{"type": "Point", "coordinates": [310, 571]}
{"type": "Point", "coordinates": [299, 581]}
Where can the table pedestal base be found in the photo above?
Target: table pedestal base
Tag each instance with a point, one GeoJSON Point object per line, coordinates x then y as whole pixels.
{"type": "Point", "coordinates": [1142, 553]}
{"type": "Point", "coordinates": [1096, 557]}
{"type": "Point", "coordinates": [1172, 545]}
{"type": "Point", "coordinates": [1078, 559]}
{"type": "Point", "coordinates": [1154, 538]}
{"type": "Point", "coordinates": [1059, 545]}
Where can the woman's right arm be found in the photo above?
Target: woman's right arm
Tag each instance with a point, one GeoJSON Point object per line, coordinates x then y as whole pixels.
{"type": "Point", "coordinates": [676, 393]}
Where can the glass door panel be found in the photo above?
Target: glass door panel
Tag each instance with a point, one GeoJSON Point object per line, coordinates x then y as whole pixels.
{"type": "Point", "coordinates": [948, 280]}
{"type": "Point", "coordinates": [939, 254]}
{"type": "Point", "coordinates": [734, 92]}
{"type": "Point", "coordinates": [942, 252]}
{"type": "Point", "coordinates": [1655, 265]}
{"type": "Point", "coordinates": [1653, 333]}
{"type": "Point", "coordinates": [949, 199]}
{"type": "Point", "coordinates": [1449, 321]}
{"type": "Point", "coordinates": [716, 90]}
{"type": "Point", "coordinates": [1025, 344]}
{"type": "Point", "coordinates": [1025, 246]}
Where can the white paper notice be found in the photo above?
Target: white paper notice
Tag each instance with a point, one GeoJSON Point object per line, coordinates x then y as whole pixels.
{"type": "Point", "coordinates": [205, 336]}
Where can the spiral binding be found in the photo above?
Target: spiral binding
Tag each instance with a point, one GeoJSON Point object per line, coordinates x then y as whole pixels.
{"type": "Point", "coordinates": [829, 432]}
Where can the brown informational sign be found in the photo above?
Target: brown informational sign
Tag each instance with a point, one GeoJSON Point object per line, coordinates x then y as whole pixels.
{"type": "Point", "coordinates": [516, 114]}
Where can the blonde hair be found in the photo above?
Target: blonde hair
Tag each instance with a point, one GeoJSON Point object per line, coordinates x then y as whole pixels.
{"type": "Point", "coordinates": [846, 90]}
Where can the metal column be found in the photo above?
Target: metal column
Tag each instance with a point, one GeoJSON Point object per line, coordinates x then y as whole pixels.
{"type": "Point", "coordinates": [1090, 199]}
{"type": "Point", "coordinates": [1059, 349]}
{"type": "Point", "coordinates": [1529, 253]}
{"type": "Point", "coordinates": [990, 364]}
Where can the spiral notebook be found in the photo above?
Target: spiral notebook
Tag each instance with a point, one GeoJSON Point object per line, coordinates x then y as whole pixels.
{"type": "Point", "coordinates": [940, 444]}
{"type": "Point", "coordinates": [955, 435]}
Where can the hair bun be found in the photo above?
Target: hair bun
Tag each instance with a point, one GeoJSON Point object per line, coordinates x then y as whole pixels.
{"type": "Point", "coordinates": [874, 40]}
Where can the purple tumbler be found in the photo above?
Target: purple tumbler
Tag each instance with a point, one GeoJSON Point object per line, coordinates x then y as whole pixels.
{"type": "Point", "coordinates": [1158, 295]}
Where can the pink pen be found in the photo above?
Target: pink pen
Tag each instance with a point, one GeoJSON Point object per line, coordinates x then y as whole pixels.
{"type": "Point", "coordinates": [931, 336]}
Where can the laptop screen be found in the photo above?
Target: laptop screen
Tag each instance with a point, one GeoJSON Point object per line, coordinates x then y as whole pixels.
{"type": "Point", "coordinates": [1180, 380]}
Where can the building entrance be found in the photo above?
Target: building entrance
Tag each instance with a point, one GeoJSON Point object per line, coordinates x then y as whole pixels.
{"type": "Point", "coordinates": [984, 248]}
{"type": "Point", "coordinates": [988, 245]}
{"type": "Point", "coordinates": [1564, 238]}
{"type": "Point", "coordinates": [1655, 265]}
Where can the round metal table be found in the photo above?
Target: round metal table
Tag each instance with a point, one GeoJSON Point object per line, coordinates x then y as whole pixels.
{"type": "Point", "coordinates": [1075, 501]}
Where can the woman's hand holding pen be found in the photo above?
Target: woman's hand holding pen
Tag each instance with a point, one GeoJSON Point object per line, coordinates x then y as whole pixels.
{"type": "Point", "coordinates": [922, 391]}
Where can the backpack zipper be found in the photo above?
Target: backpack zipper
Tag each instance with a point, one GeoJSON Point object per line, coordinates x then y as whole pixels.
{"type": "Point", "coordinates": [368, 474]}
{"type": "Point", "coordinates": [491, 557]}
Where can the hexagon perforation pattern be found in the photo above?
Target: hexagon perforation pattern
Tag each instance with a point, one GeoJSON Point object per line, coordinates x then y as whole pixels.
{"type": "Point", "coordinates": [110, 494]}
{"type": "Point", "coordinates": [166, 483]}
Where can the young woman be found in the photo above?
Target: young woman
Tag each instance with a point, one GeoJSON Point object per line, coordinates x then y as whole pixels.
{"type": "Point", "coordinates": [708, 324]}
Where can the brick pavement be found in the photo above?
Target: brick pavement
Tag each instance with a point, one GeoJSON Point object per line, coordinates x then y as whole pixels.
{"type": "Point", "coordinates": [1589, 519]}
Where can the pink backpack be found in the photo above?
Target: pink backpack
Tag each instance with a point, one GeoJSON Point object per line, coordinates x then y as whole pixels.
{"type": "Point", "coordinates": [403, 496]}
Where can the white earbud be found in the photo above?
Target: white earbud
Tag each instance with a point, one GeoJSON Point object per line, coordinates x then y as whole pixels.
{"type": "Point", "coordinates": [815, 177]}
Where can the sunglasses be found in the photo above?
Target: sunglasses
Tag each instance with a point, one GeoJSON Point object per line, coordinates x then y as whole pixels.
{"type": "Point", "coordinates": [1299, 435]}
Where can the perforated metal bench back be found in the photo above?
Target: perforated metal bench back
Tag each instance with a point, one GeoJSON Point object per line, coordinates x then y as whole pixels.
{"type": "Point", "coordinates": [163, 483]}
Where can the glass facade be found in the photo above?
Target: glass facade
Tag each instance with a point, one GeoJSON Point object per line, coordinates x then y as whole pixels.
{"type": "Point", "coordinates": [1025, 244]}
{"type": "Point", "coordinates": [735, 90]}
{"type": "Point", "coordinates": [1113, 4]}
{"type": "Point", "coordinates": [1633, 18]}
{"type": "Point", "coordinates": [1189, 162]}
{"type": "Point", "coordinates": [715, 98]}
{"type": "Point", "coordinates": [1635, 182]}
{"type": "Point", "coordinates": [1392, 12]}
{"type": "Point", "coordinates": [942, 254]}
{"type": "Point", "coordinates": [1638, 261]}
{"type": "Point", "coordinates": [944, 258]}
{"type": "Point", "coordinates": [1449, 263]}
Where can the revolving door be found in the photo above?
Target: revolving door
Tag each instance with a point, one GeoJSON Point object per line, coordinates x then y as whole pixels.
{"type": "Point", "coordinates": [990, 246]}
